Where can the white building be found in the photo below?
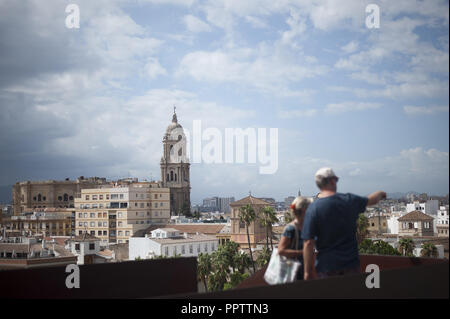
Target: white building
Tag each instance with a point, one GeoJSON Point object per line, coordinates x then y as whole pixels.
{"type": "Point", "coordinates": [169, 242]}
{"type": "Point", "coordinates": [86, 247]}
{"type": "Point", "coordinates": [442, 222]}
{"type": "Point", "coordinates": [430, 207]}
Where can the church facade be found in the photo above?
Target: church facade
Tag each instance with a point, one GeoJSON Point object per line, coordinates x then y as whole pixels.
{"type": "Point", "coordinates": [175, 168]}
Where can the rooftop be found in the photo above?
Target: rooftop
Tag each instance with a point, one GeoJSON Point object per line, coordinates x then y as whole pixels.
{"type": "Point", "coordinates": [249, 200]}
{"type": "Point", "coordinates": [415, 215]}
{"type": "Point", "coordinates": [182, 239]}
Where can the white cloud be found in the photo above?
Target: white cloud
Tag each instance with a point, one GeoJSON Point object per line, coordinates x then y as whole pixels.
{"type": "Point", "coordinates": [153, 69]}
{"type": "Point", "coordinates": [350, 47]}
{"type": "Point", "coordinates": [269, 73]}
{"type": "Point", "coordinates": [256, 22]}
{"type": "Point", "coordinates": [285, 114]}
{"type": "Point", "coordinates": [425, 110]}
{"type": "Point", "coordinates": [350, 106]}
{"type": "Point", "coordinates": [194, 24]}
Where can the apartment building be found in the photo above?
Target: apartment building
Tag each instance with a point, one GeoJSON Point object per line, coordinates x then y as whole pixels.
{"type": "Point", "coordinates": [169, 242]}
{"type": "Point", "coordinates": [48, 222]}
{"type": "Point", "coordinates": [114, 214]}
{"type": "Point", "coordinates": [442, 222]}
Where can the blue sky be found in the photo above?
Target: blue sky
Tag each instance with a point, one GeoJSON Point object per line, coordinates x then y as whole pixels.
{"type": "Point", "coordinates": [371, 103]}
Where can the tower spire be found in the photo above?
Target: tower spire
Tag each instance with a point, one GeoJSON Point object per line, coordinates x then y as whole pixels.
{"type": "Point", "coordinates": [174, 117]}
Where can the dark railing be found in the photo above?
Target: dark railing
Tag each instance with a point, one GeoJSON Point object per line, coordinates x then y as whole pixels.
{"type": "Point", "coordinates": [130, 279]}
{"type": "Point", "coordinates": [400, 277]}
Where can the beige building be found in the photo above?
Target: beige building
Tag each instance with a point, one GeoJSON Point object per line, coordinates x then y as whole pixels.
{"type": "Point", "coordinates": [45, 222]}
{"type": "Point", "coordinates": [114, 214]}
{"type": "Point", "coordinates": [46, 194]}
{"type": "Point", "coordinates": [378, 224]}
{"type": "Point", "coordinates": [256, 231]}
{"type": "Point", "coordinates": [416, 224]}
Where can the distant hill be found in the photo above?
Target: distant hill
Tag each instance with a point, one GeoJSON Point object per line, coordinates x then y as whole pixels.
{"type": "Point", "coordinates": [6, 194]}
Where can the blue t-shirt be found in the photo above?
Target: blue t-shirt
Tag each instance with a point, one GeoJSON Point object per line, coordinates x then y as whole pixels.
{"type": "Point", "coordinates": [289, 232]}
{"type": "Point", "coordinates": [331, 221]}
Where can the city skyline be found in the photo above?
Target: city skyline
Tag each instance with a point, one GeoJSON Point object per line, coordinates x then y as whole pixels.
{"type": "Point", "coordinates": [95, 101]}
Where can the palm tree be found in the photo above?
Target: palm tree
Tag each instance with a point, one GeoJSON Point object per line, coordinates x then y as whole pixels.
{"type": "Point", "coordinates": [428, 250]}
{"type": "Point", "coordinates": [247, 215]}
{"type": "Point", "coordinates": [264, 219]}
{"type": "Point", "coordinates": [204, 268]}
{"type": "Point", "coordinates": [406, 246]}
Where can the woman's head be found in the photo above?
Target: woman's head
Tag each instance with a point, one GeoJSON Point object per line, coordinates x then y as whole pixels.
{"type": "Point", "coordinates": [300, 205]}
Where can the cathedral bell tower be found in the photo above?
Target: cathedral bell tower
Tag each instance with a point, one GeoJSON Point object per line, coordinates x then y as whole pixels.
{"type": "Point", "coordinates": [175, 168]}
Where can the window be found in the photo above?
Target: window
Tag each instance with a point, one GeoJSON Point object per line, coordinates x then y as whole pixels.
{"type": "Point", "coordinates": [166, 251]}
{"type": "Point", "coordinates": [120, 233]}
{"type": "Point", "coordinates": [205, 248]}
{"type": "Point", "coordinates": [120, 224]}
{"type": "Point", "coordinates": [100, 196]}
{"type": "Point", "coordinates": [99, 215]}
{"type": "Point", "coordinates": [92, 215]}
{"type": "Point", "coordinates": [85, 215]}
{"type": "Point", "coordinates": [93, 232]}
{"type": "Point", "coordinates": [87, 197]}
{"type": "Point", "coordinates": [94, 206]}
{"type": "Point", "coordinates": [182, 250]}
{"type": "Point", "coordinates": [99, 224]}
{"type": "Point", "coordinates": [80, 215]}
{"type": "Point", "coordinates": [92, 224]}
{"type": "Point", "coordinates": [127, 233]}
{"type": "Point", "coordinates": [160, 204]}
{"type": "Point", "coordinates": [142, 205]}
{"type": "Point", "coordinates": [114, 196]}
{"type": "Point", "coordinates": [105, 215]}
{"type": "Point", "coordinates": [135, 204]}
{"type": "Point", "coordinates": [191, 249]}
{"type": "Point", "coordinates": [121, 196]}
{"type": "Point", "coordinates": [105, 233]}
{"type": "Point", "coordinates": [80, 224]}
{"type": "Point", "coordinates": [198, 248]}
{"type": "Point", "coordinates": [92, 246]}
{"type": "Point", "coordinates": [99, 232]}
{"type": "Point", "coordinates": [77, 246]}
{"type": "Point", "coordinates": [156, 196]}
{"type": "Point", "coordinates": [94, 197]}
{"type": "Point", "coordinates": [107, 196]}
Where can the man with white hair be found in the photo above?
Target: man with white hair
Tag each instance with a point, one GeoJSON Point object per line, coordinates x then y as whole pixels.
{"type": "Point", "coordinates": [330, 226]}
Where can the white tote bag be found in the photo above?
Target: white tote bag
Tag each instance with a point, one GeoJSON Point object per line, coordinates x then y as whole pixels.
{"type": "Point", "coordinates": [282, 270]}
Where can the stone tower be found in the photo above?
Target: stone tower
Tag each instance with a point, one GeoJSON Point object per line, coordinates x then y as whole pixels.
{"type": "Point", "coordinates": [175, 168]}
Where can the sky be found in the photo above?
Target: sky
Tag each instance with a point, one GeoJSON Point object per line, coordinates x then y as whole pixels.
{"type": "Point", "coordinates": [372, 103]}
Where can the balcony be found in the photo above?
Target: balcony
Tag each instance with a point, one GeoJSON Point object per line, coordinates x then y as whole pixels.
{"type": "Point", "coordinates": [400, 277]}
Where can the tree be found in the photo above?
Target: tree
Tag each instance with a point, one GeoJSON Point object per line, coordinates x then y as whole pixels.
{"type": "Point", "coordinates": [377, 247]}
{"type": "Point", "coordinates": [406, 247]}
{"type": "Point", "coordinates": [204, 268]}
{"type": "Point", "coordinates": [247, 215]}
{"type": "Point", "coordinates": [288, 217]}
{"type": "Point", "coordinates": [362, 224]}
{"type": "Point", "coordinates": [267, 219]}
{"type": "Point", "coordinates": [236, 279]}
{"type": "Point", "coordinates": [224, 268]}
{"type": "Point", "coordinates": [428, 250]}
{"type": "Point", "coordinates": [264, 257]}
